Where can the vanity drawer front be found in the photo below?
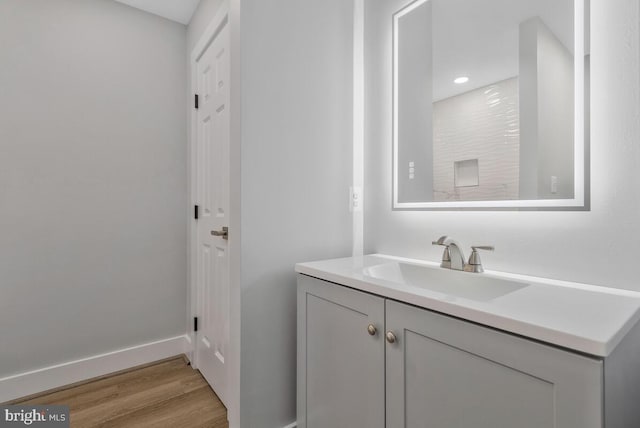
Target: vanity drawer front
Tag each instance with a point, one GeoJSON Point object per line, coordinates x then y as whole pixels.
{"type": "Point", "coordinates": [446, 373]}
{"type": "Point", "coordinates": [340, 356]}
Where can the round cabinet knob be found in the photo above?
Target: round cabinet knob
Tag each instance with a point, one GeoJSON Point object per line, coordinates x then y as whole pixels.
{"type": "Point", "coordinates": [391, 338]}
{"type": "Point", "coordinates": [372, 329]}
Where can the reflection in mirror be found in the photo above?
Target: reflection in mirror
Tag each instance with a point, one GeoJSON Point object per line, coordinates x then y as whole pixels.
{"type": "Point", "coordinates": [485, 103]}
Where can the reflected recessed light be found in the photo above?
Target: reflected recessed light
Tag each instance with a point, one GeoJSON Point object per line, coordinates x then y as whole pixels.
{"type": "Point", "coordinates": [461, 80]}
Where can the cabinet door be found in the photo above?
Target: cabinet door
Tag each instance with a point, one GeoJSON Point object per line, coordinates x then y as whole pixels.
{"type": "Point", "coordinates": [446, 373]}
{"type": "Point", "coordinates": [340, 363]}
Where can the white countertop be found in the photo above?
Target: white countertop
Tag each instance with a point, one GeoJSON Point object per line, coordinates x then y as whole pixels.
{"type": "Point", "coordinates": [581, 317]}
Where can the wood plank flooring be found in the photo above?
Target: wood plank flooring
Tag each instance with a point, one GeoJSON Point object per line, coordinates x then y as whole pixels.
{"type": "Point", "coordinates": [167, 394]}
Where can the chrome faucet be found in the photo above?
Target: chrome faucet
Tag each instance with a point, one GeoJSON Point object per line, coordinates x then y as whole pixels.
{"type": "Point", "coordinates": [453, 257]}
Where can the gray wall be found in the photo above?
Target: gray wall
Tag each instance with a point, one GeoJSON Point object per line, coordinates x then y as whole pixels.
{"type": "Point", "coordinates": [296, 169]}
{"type": "Point", "coordinates": [92, 180]}
{"type": "Point", "coordinates": [556, 96]}
{"type": "Point", "coordinates": [579, 246]}
{"type": "Point", "coordinates": [547, 89]}
{"type": "Point", "coordinates": [415, 105]}
{"type": "Point", "coordinates": [528, 104]}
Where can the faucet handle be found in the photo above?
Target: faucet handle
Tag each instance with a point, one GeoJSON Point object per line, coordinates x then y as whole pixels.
{"type": "Point", "coordinates": [446, 256]}
{"type": "Point", "coordinates": [475, 264]}
{"type": "Point", "coordinates": [483, 247]}
{"type": "Point", "coordinates": [440, 241]}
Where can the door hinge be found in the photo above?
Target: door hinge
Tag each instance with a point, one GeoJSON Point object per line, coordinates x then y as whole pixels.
{"type": "Point", "coordinates": [195, 324]}
{"type": "Point", "coordinates": [196, 212]}
{"type": "Point", "coordinates": [196, 101]}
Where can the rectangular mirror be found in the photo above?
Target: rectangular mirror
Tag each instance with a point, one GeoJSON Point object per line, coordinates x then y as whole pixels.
{"type": "Point", "coordinates": [489, 104]}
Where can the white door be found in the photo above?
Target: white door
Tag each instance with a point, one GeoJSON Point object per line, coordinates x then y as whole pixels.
{"type": "Point", "coordinates": [212, 172]}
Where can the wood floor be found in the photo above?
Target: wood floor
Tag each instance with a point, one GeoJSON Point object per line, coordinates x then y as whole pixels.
{"type": "Point", "coordinates": [167, 394]}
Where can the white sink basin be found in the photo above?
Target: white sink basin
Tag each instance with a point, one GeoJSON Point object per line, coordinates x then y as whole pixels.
{"type": "Point", "coordinates": [472, 286]}
{"type": "Point", "coordinates": [582, 317]}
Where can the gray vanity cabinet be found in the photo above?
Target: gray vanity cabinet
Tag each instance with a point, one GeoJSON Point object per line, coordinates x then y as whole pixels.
{"type": "Point", "coordinates": [446, 373]}
{"type": "Point", "coordinates": [340, 357]}
{"type": "Point", "coordinates": [420, 369]}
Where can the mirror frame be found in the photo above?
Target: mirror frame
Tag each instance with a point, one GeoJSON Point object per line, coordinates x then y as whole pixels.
{"type": "Point", "coordinates": [581, 201]}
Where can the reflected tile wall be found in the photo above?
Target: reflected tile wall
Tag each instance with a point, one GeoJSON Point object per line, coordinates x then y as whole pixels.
{"type": "Point", "coordinates": [482, 124]}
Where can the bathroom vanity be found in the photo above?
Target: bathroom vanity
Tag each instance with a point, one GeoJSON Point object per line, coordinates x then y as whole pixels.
{"type": "Point", "coordinates": [392, 342]}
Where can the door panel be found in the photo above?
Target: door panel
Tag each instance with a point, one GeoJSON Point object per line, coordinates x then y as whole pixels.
{"type": "Point", "coordinates": [212, 183]}
{"type": "Point", "coordinates": [447, 373]}
{"type": "Point", "coordinates": [340, 364]}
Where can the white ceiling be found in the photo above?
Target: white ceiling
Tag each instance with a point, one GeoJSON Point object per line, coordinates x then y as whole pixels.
{"type": "Point", "coordinates": [480, 39]}
{"type": "Point", "coordinates": [175, 10]}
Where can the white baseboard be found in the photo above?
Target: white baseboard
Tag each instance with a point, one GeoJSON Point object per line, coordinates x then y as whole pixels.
{"type": "Point", "coordinates": [33, 382]}
{"type": "Point", "coordinates": [188, 347]}
{"type": "Point", "coordinates": [292, 425]}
